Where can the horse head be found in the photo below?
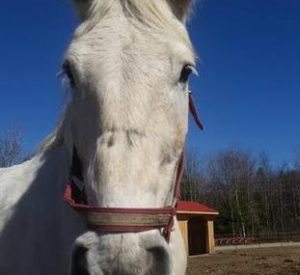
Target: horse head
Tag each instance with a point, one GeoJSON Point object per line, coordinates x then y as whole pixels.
{"type": "Point", "coordinates": [128, 66]}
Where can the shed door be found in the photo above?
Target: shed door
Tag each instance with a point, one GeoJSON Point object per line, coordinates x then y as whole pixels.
{"type": "Point", "coordinates": [197, 236]}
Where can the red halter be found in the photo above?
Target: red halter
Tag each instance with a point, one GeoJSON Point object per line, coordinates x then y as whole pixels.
{"type": "Point", "coordinates": [122, 220]}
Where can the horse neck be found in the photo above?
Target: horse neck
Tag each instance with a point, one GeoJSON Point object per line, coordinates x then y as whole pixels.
{"type": "Point", "coordinates": [54, 171]}
{"type": "Point", "coordinates": [43, 216]}
{"type": "Point", "coordinates": [40, 182]}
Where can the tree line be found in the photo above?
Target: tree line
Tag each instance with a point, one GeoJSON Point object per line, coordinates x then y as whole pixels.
{"type": "Point", "coordinates": [11, 151]}
{"type": "Point", "coordinates": [251, 196]}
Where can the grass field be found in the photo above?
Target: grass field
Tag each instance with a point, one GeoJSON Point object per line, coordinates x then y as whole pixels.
{"type": "Point", "coordinates": [263, 261]}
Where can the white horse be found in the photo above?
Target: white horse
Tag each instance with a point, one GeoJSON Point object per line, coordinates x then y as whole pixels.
{"type": "Point", "coordinates": [128, 67]}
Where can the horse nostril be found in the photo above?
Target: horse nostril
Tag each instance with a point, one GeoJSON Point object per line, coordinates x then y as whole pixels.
{"type": "Point", "coordinates": [160, 264]}
{"type": "Point", "coordinates": [79, 261]}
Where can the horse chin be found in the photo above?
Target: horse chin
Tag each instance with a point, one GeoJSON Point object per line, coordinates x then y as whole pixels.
{"type": "Point", "coordinates": [121, 254]}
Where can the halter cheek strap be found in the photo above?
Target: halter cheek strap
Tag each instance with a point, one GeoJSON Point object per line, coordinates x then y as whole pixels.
{"type": "Point", "coordinates": [122, 220]}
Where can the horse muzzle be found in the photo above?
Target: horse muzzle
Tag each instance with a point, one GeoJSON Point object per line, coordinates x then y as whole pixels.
{"type": "Point", "coordinates": [120, 254]}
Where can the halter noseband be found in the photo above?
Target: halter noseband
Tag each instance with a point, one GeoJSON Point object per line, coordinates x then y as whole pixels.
{"type": "Point", "coordinates": [125, 220]}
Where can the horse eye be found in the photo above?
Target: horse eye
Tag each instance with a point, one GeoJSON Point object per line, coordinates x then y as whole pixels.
{"type": "Point", "coordinates": [68, 72]}
{"type": "Point", "coordinates": [185, 73]}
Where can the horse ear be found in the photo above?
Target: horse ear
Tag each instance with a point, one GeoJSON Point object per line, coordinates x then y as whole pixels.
{"type": "Point", "coordinates": [83, 7]}
{"type": "Point", "coordinates": [181, 8]}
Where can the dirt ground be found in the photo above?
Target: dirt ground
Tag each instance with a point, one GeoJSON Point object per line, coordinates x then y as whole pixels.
{"type": "Point", "coordinates": [263, 261]}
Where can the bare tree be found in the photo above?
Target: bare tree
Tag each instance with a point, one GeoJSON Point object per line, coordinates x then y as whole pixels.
{"type": "Point", "coordinates": [264, 198]}
{"type": "Point", "coordinates": [297, 158]}
{"type": "Point", "coordinates": [10, 147]}
{"type": "Point", "coordinates": [230, 176]}
{"type": "Point", "coordinates": [192, 181]}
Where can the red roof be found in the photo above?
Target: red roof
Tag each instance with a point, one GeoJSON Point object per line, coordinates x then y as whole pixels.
{"type": "Point", "coordinates": [188, 206]}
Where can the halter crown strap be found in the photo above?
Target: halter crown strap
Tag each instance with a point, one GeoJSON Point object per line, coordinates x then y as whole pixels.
{"type": "Point", "coordinates": [194, 112]}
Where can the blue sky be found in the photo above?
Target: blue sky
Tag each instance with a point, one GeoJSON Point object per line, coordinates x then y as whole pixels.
{"type": "Point", "coordinates": [248, 91]}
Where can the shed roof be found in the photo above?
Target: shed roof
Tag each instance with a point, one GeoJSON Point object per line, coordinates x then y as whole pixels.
{"type": "Point", "coordinates": [188, 207]}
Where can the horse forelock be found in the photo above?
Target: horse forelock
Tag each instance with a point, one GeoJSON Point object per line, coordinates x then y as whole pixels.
{"type": "Point", "coordinates": [156, 15]}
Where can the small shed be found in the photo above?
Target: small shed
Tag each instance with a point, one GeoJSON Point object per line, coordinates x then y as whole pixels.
{"type": "Point", "coordinates": [196, 223]}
